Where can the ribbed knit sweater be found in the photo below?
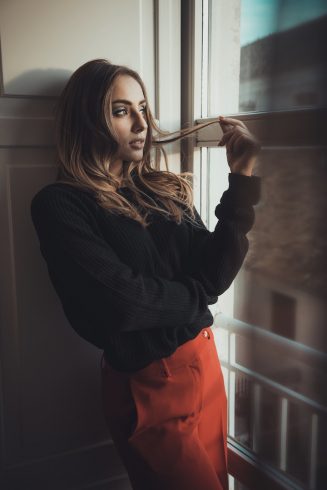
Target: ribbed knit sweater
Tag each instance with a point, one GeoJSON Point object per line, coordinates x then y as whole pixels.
{"type": "Point", "coordinates": [139, 293]}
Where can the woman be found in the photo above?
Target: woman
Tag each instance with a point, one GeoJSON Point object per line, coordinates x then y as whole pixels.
{"type": "Point", "coordinates": [135, 269]}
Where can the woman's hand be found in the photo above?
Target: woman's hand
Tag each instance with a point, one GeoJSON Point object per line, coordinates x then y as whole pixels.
{"type": "Point", "coordinates": [241, 146]}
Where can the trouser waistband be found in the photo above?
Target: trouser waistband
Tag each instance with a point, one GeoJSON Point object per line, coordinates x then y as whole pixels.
{"type": "Point", "coordinates": [184, 354]}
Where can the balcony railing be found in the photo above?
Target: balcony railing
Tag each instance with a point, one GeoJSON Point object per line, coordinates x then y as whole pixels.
{"type": "Point", "coordinates": [277, 407]}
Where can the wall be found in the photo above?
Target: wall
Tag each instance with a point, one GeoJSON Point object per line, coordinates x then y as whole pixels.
{"type": "Point", "coordinates": [53, 433]}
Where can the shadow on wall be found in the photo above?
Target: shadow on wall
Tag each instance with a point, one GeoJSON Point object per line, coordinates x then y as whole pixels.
{"type": "Point", "coordinates": [42, 83]}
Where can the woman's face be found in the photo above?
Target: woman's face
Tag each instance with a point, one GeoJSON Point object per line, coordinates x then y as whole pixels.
{"type": "Point", "coordinates": [129, 118]}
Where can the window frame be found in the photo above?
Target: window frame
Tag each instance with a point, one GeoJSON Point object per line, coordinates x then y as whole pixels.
{"type": "Point", "coordinates": [304, 127]}
{"type": "Point", "coordinates": [278, 129]}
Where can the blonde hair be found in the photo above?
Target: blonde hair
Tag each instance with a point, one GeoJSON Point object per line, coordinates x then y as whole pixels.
{"type": "Point", "coordinates": [86, 143]}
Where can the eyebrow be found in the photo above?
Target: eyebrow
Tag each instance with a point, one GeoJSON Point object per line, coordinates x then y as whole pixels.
{"type": "Point", "coordinates": [127, 101]}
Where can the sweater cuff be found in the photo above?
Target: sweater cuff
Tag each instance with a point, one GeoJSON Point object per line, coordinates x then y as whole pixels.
{"type": "Point", "coordinates": [244, 190]}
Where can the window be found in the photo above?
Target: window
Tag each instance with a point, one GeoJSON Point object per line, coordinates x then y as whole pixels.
{"type": "Point", "coordinates": [282, 63]}
{"type": "Point", "coordinates": [283, 315]}
{"type": "Point", "coordinates": [263, 62]}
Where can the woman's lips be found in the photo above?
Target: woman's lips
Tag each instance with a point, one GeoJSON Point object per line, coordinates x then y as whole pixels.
{"type": "Point", "coordinates": [137, 144]}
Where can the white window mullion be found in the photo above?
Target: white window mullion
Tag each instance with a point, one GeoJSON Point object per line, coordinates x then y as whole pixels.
{"type": "Point", "coordinates": [197, 99]}
{"type": "Point", "coordinates": [168, 81]}
{"type": "Point", "coordinates": [205, 53]}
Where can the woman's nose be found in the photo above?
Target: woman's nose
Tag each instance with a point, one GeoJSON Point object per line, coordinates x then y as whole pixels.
{"type": "Point", "coordinates": [140, 123]}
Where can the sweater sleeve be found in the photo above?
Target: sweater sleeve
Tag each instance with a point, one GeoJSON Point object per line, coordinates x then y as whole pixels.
{"type": "Point", "coordinates": [87, 273]}
{"type": "Point", "coordinates": [216, 257]}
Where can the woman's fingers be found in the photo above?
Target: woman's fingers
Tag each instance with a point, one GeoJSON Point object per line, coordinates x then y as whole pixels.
{"type": "Point", "coordinates": [231, 121]}
{"type": "Point", "coordinates": [225, 139]}
{"type": "Point", "coordinates": [238, 140]}
{"type": "Point", "coordinates": [235, 143]}
{"type": "Point", "coordinates": [226, 127]}
{"type": "Point", "coordinates": [229, 134]}
{"type": "Point", "coordinates": [241, 145]}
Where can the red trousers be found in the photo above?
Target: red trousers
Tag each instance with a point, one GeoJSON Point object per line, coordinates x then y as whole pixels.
{"type": "Point", "coordinates": [168, 421]}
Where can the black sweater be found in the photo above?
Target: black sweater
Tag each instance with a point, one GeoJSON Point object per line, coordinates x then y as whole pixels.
{"type": "Point", "coordinates": [140, 293]}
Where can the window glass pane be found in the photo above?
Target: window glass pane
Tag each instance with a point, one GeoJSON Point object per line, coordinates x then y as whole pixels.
{"type": "Point", "coordinates": [266, 55]}
{"type": "Point", "coordinates": [282, 54]}
{"type": "Point", "coordinates": [261, 18]}
{"type": "Point", "coordinates": [275, 362]}
{"type": "Point", "coordinates": [236, 485]}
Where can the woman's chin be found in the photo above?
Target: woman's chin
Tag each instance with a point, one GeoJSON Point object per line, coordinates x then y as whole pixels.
{"type": "Point", "coordinates": [137, 156]}
{"type": "Point", "coordinates": [133, 156]}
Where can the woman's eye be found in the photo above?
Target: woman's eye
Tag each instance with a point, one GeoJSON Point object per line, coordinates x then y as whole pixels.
{"type": "Point", "coordinates": [119, 111]}
{"type": "Point", "coordinates": [122, 111]}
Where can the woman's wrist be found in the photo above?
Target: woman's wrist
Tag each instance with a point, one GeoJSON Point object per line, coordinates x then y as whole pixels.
{"type": "Point", "coordinates": [243, 167]}
{"type": "Point", "coordinates": [248, 174]}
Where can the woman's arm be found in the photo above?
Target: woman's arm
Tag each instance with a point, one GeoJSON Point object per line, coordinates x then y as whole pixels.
{"type": "Point", "coordinates": [92, 282]}
{"type": "Point", "coordinates": [216, 257]}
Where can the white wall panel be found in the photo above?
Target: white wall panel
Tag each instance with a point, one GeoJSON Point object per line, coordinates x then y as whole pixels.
{"type": "Point", "coordinates": [52, 431]}
{"type": "Point", "coordinates": [43, 41]}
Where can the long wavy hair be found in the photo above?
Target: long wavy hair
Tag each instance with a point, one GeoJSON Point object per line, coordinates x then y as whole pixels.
{"type": "Point", "coordinates": [86, 143]}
